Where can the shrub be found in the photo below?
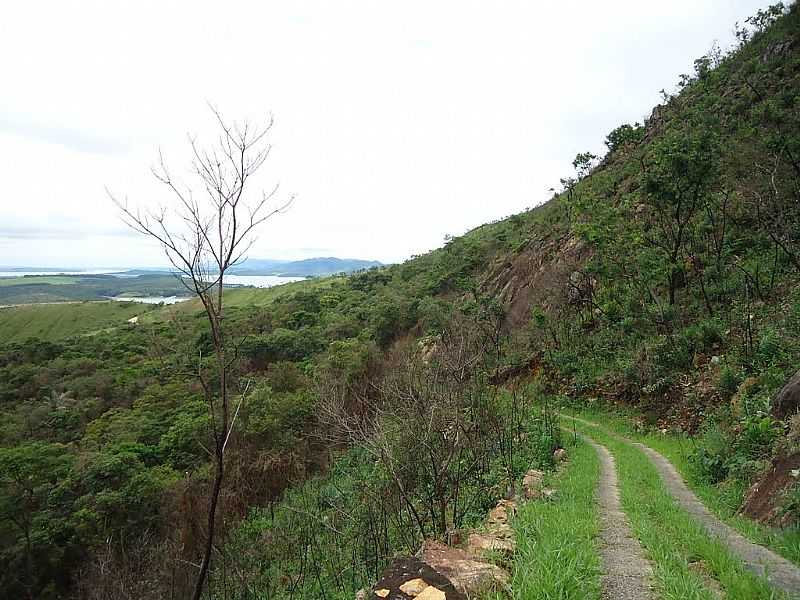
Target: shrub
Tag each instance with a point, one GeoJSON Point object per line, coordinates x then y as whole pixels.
{"type": "Point", "coordinates": [709, 461]}
{"type": "Point", "coordinates": [728, 382]}
{"type": "Point", "coordinates": [704, 335]}
{"type": "Point", "coordinates": [790, 503]}
{"type": "Point", "coordinates": [769, 346]}
{"type": "Point", "coordinates": [757, 436]}
{"type": "Point", "coordinates": [623, 135]}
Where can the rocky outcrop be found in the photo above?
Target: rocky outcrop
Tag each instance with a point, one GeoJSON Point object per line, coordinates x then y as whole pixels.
{"type": "Point", "coordinates": [787, 402]}
{"type": "Point", "coordinates": [467, 572]}
{"type": "Point", "coordinates": [538, 275]}
{"type": "Point", "coordinates": [776, 50]}
{"type": "Point", "coordinates": [410, 577]}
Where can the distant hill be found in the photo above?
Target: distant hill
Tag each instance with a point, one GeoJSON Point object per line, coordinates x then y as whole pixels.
{"type": "Point", "coordinates": [310, 267]}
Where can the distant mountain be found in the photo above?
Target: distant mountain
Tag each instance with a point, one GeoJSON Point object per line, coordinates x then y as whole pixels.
{"type": "Point", "coordinates": [309, 267]}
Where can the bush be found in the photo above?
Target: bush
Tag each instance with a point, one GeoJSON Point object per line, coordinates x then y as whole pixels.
{"type": "Point", "coordinates": [704, 335]}
{"type": "Point", "coordinates": [769, 347]}
{"type": "Point", "coordinates": [709, 461]}
{"type": "Point", "coordinates": [757, 436]}
{"type": "Point", "coordinates": [282, 344]}
{"type": "Point", "coordinates": [623, 135]}
{"type": "Point", "coordinates": [728, 382]}
{"type": "Point", "coordinates": [790, 503]}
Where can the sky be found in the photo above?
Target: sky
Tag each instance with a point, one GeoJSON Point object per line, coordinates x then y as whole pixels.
{"type": "Point", "coordinates": [395, 123]}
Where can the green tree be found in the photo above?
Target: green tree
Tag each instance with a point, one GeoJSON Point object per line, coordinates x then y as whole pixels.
{"type": "Point", "coordinates": [29, 474]}
{"type": "Point", "coordinates": [679, 173]}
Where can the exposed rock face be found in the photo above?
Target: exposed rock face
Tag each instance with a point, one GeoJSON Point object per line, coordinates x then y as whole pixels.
{"type": "Point", "coordinates": [656, 118]}
{"type": "Point", "coordinates": [762, 502]}
{"type": "Point", "coordinates": [538, 275]}
{"type": "Point", "coordinates": [776, 49]}
{"type": "Point", "coordinates": [787, 401]}
{"type": "Point", "coordinates": [467, 573]}
{"type": "Point", "coordinates": [532, 484]}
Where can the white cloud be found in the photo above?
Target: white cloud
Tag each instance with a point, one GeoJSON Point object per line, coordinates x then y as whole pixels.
{"type": "Point", "coordinates": [396, 123]}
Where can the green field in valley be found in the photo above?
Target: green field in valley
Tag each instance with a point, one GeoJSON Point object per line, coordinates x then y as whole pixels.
{"type": "Point", "coordinates": [65, 319]}
{"type": "Point", "coordinates": [56, 321]}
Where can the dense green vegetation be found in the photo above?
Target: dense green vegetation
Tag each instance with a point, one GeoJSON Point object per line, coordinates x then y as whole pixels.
{"type": "Point", "coordinates": [663, 276]}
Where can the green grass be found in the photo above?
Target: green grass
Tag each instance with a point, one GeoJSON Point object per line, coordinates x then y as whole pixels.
{"type": "Point", "coordinates": [556, 557]}
{"type": "Point", "coordinates": [56, 321]}
{"type": "Point", "coordinates": [720, 499]}
{"type": "Point", "coordinates": [31, 279]}
{"type": "Point", "coordinates": [671, 537]}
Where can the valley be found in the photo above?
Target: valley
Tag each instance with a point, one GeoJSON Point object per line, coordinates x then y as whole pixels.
{"type": "Point", "coordinates": [597, 398]}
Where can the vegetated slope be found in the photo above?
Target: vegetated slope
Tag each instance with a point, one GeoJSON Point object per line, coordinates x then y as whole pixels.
{"type": "Point", "coordinates": [62, 319]}
{"type": "Point", "coordinates": [55, 321]}
{"type": "Point", "coordinates": [663, 275]}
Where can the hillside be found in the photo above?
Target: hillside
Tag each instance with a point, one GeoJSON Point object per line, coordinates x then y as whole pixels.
{"type": "Point", "coordinates": [654, 297]}
{"type": "Point", "coordinates": [55, 321]}
{"type": "Point", "coordinates": [309, 267]}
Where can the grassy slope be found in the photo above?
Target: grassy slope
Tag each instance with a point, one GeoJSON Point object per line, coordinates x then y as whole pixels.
{"type": "Point", "coordinates": [245, 298]}
{"type": "Point", "coordinates": [43, 279]}
{"type": "Point", "coordinates": [55, 321]}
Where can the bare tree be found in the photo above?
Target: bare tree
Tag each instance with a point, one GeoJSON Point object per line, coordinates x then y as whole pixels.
{"type": "Point", "coordinates": [207, 230]}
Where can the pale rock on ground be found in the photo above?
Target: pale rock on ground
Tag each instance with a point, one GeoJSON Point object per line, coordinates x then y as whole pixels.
{"type": "Point", "coordinates": [532, 484]}
{"type": "Point", "coordinates": [466, 572]}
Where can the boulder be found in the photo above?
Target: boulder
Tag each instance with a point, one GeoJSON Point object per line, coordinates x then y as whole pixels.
{"type": "Point", "coordinates": [502, 513]}
{"type": "Point", "coordinates": [410, 577]}
{"type": "Point", "coordinates": [481, 544]}
{"type": "Point", "coordinates": [787, 402]}
{"type": "Point", "coordinates": [468, 574]}
{"type": "Point", "coordinates": [548, 493]}
{"type": "Point", "coordinates": [532, 484]}
{"type": "Point", "coordinates": [560, 455]}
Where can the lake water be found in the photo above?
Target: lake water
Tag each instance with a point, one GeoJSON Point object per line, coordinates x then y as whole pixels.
{"type": "Point", "coordinates": [259, 281]}
{"type": "Point", "coordinates": [151, 299]}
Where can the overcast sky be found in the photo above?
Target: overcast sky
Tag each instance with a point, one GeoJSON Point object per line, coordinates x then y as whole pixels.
{"type": "Point", "coordinates": [396, 123]}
